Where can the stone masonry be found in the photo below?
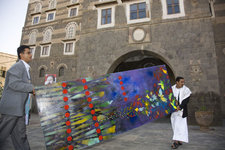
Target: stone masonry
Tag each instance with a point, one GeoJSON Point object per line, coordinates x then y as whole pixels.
{"type": "Point", "coordinates": [191, 46]}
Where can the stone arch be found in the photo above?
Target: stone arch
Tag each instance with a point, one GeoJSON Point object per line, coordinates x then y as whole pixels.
{"type": "Point", "coordinates": [61, 69]}
{"type": "Point", "coordinates": [47, 34]}
{"type": "Point", "coordinates": [42, 70]}
{"type": "Point", "coordinates": [42, 66]}
{"type": "Point", "coordinates": [37, 7]}
{"type": "Point", "coordinates": [71, 30]}
{"type": "Point", "coordinates": [52, 4]}
{"type": "Point", "coordinates": [33, 36]}
{"type": "Point", "coordinates": [140, 59]}
{"type": "Point", "coordinates": [62, 65]}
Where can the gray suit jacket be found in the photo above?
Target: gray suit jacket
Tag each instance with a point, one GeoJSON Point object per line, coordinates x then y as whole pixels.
{"type": "Point", "coordinates": [16, 90]}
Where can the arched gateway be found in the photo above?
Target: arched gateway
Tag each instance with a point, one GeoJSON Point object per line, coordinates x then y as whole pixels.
{"type": "Point", "coordinates": [140, 59]}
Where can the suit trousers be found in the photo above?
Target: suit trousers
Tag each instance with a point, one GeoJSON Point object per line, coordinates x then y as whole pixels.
{"type": "Point", "coordinates": [14, 126]}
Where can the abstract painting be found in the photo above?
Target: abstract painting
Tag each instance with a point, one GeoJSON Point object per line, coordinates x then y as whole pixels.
{"type": "Point", "coordinates": [77, 114]}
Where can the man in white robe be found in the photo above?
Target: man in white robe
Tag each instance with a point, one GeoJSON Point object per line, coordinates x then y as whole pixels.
{"type": "Point", "coordinates": [179, 117]}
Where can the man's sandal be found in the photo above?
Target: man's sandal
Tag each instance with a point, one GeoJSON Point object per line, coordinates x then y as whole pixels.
{"type": "Point", "coordinates": [174, 145]}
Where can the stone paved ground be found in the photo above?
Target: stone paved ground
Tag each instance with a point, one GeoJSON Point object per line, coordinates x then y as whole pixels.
{"type": "Point", "coordinates": [152, 136]}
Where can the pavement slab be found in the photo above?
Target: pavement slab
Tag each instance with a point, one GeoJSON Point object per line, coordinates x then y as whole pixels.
{"type": "Point", "coordinates": [151, 136]}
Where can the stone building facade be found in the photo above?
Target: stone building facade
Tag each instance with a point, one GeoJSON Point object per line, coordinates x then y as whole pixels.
{"type": "Point", "coordinates": [6, 61]}
{"type": "Point", "coordinates": [80, 38]}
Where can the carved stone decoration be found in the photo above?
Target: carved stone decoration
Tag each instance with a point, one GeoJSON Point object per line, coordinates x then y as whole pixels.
{"type": "Point", "coordinates": [139, 34]}
{"type": "Point", "coordinates": [196, 71]}
{"type": "Point", "coordinates": [52, 64]}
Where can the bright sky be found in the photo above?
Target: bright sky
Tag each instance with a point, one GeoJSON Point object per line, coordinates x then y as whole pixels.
{"type": "Point", "coordinates": [12, 19]}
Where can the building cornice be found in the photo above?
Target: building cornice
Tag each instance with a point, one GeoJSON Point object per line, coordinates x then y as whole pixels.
{"type": "Point", "coordinates": [105, 3]}
{"type": "Point", "coordinates": [71, 5]}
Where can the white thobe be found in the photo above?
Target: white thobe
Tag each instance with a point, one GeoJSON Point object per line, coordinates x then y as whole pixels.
{"type": "Point", "coordinates": [179, 124]}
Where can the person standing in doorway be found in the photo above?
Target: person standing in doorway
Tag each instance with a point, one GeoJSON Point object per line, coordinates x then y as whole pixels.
{"type": "Point", "coordinates": [179, 117]}
{"type": "Point", "coordinates": [15, 94]}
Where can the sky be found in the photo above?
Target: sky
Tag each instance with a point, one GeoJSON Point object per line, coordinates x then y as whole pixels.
{"type": "Point", "coordinates": [12, 19]}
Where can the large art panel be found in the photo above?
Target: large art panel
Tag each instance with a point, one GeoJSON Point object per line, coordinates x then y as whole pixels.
{"type": "Point", "coordinates": [81, 113]}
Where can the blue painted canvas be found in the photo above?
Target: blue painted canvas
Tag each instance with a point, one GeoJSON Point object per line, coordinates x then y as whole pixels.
{"type": "Point", "coordinates": [81, 113]}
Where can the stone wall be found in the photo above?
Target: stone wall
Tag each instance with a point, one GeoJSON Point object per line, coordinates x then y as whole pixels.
{"type": "Point", "coordinates": [219, 34]}
{"type": "Point", "coordinates": [185, 44]}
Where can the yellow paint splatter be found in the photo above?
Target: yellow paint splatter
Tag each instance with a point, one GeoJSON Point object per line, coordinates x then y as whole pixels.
{"type": "Point", "coordinates": [78, 115]}
{"type": "Point", "coordinates": [80, 121]}
{"type": "Point", "coordinates": [101, 94]}
{"type": "Point", "coordinates": [164, 71]}
{"type": "Point", "coordinates": [162, 98]}
{"type": "Point", "coordinates": [146, 104]}
{"type": "Point", "coordinates": [81, 126]}
{"type": "Point", "coordinates": [139, 99]}
{"type": "Point", "coordinates": [136, 109]}
{"type": "Point", "coordinates": [147, 96]}
{"type": "Point", "coordinates": [111, 129]}
{"type": "Point", "coordinates": [104, 79]}
{"type": "Point", "coordinates": [173, 105]}
{"type": "Point", "coordinates": [146, 112]}
{"type": "Point", "coordinates": [85, 142]}
{"type": "Point", "coordinates": [157, 113]}
{"type": "Point", "coordinates": [166, 111]}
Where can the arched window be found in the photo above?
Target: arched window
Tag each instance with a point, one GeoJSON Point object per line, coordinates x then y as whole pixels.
{"type": "Point", "coordinates": [71, 30]}
{"type": "Point", "coordinates": [32, 37]}
{"type": "Point", "coordinates": [42, 72]}
{"type": "Point", "coordinates": [61, 71]}
{"type": "Point", "coordinates": [47, 35]}
{"type": "Point", "coordinates": [37, 8]}
{"type": "Point", "coordinates": [52, 4]}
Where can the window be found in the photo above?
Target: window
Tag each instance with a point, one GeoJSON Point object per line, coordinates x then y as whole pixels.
{"type": "Point", "coordinates": [3, 72]}
{"type": "Point", "coordinates": [61, 71]}
{"type": "Point", "coordinates": [45, 50]}
{"type": "Point", "coordinates": [52, 4]}
{"type": "Point", "coordinates": [71, 30]}
{"type": "Point", "coordinates": [73, 12]}
{"type": "Point", "coordinates": [50, 16]}
{"type": "Point", "coordinates": [32, 50]}
{"type": "Point", "coordinates": [69, 48]}
{"type": "Point", "coordinates": [69, 42]}
{"type": "Point", "coordinates": [37, 8]}
{"type": "Point", "coordinates": [36, 20]}
{"type": "Point", "coordinates": [42, 72]}
{"type": "Point", "coordinates": [172, 8]}
{"type": "Point", "coordinates": [106, 16]}
{"type": "Point", "coordinates": [47, 35]}
{"type": "Point", "coordinates": [32, 37]}
{"type": "Point", "coordinates": [137, 11]}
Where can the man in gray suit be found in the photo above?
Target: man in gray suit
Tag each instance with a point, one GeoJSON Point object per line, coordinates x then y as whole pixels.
{"type": "Point", "coordinates": [12, 106]}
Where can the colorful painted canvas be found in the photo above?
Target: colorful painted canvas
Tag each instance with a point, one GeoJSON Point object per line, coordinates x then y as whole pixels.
{"type": "Point", "coordinates": [81, 113]}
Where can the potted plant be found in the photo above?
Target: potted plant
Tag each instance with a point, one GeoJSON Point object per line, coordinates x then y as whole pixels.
{"type": "Point", "coordinates": [204, 114]}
